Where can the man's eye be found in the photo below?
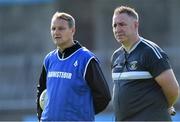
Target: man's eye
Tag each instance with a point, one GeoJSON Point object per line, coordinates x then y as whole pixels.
{"type": "Point", "coordinates": [122, 24]}
{"type": "Point", "coordinates": [61, 28]}
{"type": "Point", "coordinates": [114, 25]}
{"type": "Point", "coordinates": [52, 28]}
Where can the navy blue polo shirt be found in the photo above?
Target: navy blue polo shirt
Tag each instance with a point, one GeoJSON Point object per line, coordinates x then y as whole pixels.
{"type": "Point", "coordinates": [136, 94]}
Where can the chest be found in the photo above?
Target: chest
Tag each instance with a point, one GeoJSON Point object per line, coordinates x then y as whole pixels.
{"type": "Point", "coordinates": [66, 73]}
{"type": "Point", "coordinates": [125, 62]}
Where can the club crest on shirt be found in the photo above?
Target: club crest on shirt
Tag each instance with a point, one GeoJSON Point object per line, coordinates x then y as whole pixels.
{"type": "Point", "coordinates": [75, 63]}
{"type": "Point", "coordinates": [133, 65]}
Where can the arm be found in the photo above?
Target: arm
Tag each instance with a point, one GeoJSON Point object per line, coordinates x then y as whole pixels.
{"type": "Point", "coordinates": [40, 88]}
{"type": "Point", "coordinates": [98, 85]}
{"type": "Point", "coordinates": [158, 65]}
{"type": "Point", "coordinates": [169, 85]}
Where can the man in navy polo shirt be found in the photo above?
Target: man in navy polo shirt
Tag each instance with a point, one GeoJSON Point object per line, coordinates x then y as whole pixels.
{"type": "Point", "coordinates": [145, 87]}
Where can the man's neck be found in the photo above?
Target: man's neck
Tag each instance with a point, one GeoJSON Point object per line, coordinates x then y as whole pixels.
{"type": "Point", "coordinates": [130, 44]}
{"type": "Point", "coordinates": [63, 47]}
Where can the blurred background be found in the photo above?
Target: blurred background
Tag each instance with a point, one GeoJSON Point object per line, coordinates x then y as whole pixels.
{"type": "Point", "coordinates": [25, 40]}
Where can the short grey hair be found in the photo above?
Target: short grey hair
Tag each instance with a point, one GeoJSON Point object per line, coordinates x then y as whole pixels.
{"type": "Point", "coordinates": [127, 10]}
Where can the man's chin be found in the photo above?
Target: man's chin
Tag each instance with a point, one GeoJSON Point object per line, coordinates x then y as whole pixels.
{"type": "Point", "coordinates": [120, 40]}
{"type": "Point", "coordinates": [58, 42]}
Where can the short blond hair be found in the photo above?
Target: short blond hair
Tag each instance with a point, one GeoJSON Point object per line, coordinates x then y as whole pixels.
{"type": "Point", "coordinates": [127, 10]}
{"type": "Point", "coordinates": [65, 16]}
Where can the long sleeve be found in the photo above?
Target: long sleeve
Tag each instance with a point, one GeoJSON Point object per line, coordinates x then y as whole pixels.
{"type": "Point", "coordinates": [98, 84]}
{"type": "Point", "coordinates": [40, 88]}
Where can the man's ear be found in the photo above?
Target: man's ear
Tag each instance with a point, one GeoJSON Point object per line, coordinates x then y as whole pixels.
{"type": "Point", "coordinates": [73, 30]}
{"type": "Point", "coordinates": [136, 24]}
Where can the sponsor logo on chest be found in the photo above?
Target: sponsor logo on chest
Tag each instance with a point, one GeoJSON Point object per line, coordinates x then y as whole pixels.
{"type": "Point", "coordinates": [56, 74]}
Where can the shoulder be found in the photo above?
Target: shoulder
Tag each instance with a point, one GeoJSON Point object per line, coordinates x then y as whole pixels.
{"type": "Point", "coordinates": [116, 53]}
{"type": "Point", "coordinates": [87, 52]}
{"type": "Point", "coordinates": [150, 48]}
{"type": "Point", "coordinates": [48, 58]}
{"type": "Point", "coordinates": [50, 54]}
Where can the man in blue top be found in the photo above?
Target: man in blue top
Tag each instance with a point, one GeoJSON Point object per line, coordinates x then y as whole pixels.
{"type": "Point", "coordinates": [76, 87]}
{"type": "Point", "coordinates": [145, 87]}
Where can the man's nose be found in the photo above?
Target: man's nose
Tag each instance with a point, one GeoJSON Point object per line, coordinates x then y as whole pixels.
{"type": "Point", "coordinates": [118, 29]}
{"type": "Point", "coordinates": [56, 31]}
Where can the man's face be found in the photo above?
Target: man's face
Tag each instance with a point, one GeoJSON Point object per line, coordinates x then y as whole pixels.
{"type": "Point", "coordinates": [124, 27]}
{"type": "Point", "coordinates": [61, 33]}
